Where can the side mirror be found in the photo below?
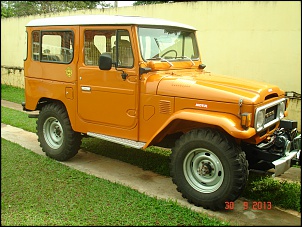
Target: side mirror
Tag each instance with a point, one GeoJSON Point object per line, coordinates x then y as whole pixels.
{"type": "Point", "coordinates": [105, 62]}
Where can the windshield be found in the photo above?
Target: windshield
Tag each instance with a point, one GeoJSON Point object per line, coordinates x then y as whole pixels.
{"type": "Point", "coordinates": [167, 43]}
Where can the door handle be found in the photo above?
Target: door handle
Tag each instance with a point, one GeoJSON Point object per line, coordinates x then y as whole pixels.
{"type": "Point", "coordinates": [85, 88]}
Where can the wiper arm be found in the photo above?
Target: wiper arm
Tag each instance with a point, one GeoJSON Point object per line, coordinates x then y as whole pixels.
{"type": "Point", "coordinates": [185, 57]}
{"type": "Point", "coordinates": [154, 58]}
{"type": "Point", "coordinates": [161, 59]}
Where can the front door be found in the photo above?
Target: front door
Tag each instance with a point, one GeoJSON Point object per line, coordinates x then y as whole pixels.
{"type": "Point", "coordinates": [104, 97]}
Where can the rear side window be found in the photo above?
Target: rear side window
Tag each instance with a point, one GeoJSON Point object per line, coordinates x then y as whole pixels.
{"type": "Point", "coordinates": [35, 45]}
{"type": "Point", "coordinates": [52, 46]}
{"type": "Point", "coordinates": [25, 44]}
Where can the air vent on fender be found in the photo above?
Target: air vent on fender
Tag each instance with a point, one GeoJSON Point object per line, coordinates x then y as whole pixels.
{"type": "Point", "coordinates": [165, 107]}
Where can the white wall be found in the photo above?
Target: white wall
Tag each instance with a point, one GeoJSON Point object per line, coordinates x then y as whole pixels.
{"type": "Point", "coordinates": [258, 40]}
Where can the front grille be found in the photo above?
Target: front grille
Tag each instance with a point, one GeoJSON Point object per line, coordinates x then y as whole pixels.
{"type": "Point", "coordinates": [270, 114]}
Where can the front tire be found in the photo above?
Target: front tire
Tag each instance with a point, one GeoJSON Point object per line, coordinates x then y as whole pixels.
{"type": "Point", "coordinates": [55, 134]}
{"type": "Point", "coordinates": [208, 169]}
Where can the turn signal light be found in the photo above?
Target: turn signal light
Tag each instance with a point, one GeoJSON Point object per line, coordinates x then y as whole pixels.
{"type": "Point", "coordinates": [246, 120]}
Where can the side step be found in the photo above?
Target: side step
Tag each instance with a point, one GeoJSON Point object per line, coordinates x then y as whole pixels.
{"type": "Point", "coordinates": [130, 143]}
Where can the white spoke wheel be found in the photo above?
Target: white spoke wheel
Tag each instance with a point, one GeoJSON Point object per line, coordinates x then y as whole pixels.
{"type": "Point", "coordinates": [208, 168]}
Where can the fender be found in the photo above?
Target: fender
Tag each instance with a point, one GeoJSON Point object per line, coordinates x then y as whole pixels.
{"type": "Point", "coordinates": [228, 122]}
{"type": "Point", "coordinates": [37, 89]}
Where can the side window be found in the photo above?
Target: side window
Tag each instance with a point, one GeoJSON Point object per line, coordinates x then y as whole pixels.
{"type": "Point", "coordinates": [35, 45]}
{"type": "Point", "coordinates": [95, 44]}
{"type": "Point", "coordinates": [190, 46]}
{"type": "Point", "coordinates": [124, 49]}
{"type": "Point", "coordinates": [57, 46]}
{"type": "Point", "coordinates": [25, 44]}
{"type": "Point", "coordinates": [99, 42]}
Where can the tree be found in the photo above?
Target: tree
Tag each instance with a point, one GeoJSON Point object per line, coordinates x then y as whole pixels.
{"type": "Point", "coordinates": [26, 8]}
{"type": "Point", "coordinates": [6, 9]}
{"type": "Point", "coordinates": [137, 3]}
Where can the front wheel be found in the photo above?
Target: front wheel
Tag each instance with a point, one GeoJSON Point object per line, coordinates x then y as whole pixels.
{"type": "Point", "coordinates": [55, 134]}
{"type": "Point", "coordinates": [208, 168]}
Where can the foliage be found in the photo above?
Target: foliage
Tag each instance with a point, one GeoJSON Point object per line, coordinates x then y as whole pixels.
{"type": "Point", "coordinates": [26, 8]}
{"type": "Point", "coordinates": [284, 194]}
{"type": "Point", "coordinates": [137, 3]}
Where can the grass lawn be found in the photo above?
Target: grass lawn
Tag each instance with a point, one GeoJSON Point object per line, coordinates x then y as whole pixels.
{"type": "Point", "coordinates": [39, 191]}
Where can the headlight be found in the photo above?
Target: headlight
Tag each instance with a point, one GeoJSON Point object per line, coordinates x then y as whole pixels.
{"type": "Point", "coordinates": [281, 109]}
{"type": "Point", "coordinates": [260, 119]}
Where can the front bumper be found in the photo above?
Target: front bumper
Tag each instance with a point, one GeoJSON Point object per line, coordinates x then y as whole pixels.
{"type": "Point", "coordinates": [280, 153]}
{"type": "Point", "coordinates": [293, 157]}
{"type": "Point", "coordinates": [281, 165]}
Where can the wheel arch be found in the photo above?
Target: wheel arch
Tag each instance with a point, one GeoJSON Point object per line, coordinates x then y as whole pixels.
{"type": "Point", "coordinates": [44, 101]}
{"type": "Point", "coordinates": [186, 120]}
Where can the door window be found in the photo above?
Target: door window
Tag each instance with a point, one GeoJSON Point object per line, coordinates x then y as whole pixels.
{"type": "Point", "coordinates": [115, 43]}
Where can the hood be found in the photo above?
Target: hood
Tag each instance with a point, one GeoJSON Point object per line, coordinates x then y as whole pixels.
{"type": "Point", "coordinates": [212, 87]}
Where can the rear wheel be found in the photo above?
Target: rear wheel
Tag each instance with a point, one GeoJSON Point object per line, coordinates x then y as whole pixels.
{"type": "Point", "coordinates": [55, 134]}
{"type": "Point", "coordinates": [208, 168]}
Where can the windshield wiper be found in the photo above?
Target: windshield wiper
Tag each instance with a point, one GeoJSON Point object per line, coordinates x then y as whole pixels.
{"type": "Point", "coordinates": [187, 58]}
{"type": "Point", "coordinates": [161, 59]}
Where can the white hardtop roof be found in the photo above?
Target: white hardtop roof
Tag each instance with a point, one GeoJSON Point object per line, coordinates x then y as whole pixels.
{"type": "Point", "coordinates": [104, 20]}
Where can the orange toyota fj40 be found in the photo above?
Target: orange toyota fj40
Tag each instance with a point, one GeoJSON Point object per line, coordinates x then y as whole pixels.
{"type": "Point", "coordinates": [140, 82]}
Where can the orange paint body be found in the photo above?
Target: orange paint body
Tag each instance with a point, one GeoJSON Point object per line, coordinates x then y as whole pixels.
{"type": "Point", "coordinates": [166, 97]}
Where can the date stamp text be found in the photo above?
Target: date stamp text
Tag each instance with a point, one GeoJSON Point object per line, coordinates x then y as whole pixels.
{"type": "Point", "coordinates": [253, 205]}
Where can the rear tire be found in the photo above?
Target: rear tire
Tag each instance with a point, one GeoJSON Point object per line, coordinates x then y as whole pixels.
{"type": "Point", "coordinates": [208, 169]}
{"type": "Point", "coordinates": [55, 134]}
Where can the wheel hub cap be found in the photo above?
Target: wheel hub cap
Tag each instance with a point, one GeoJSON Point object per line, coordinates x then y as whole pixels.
{"type": "Point", "coordinates": [206, 168]}
{"type": "Point", "coordinates": [53, 132]}
{"type": "Point", "coordinates": [203, 170]}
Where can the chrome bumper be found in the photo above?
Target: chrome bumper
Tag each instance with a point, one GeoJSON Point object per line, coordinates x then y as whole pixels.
{"type": "Point", "coordinates": [284, 163]}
